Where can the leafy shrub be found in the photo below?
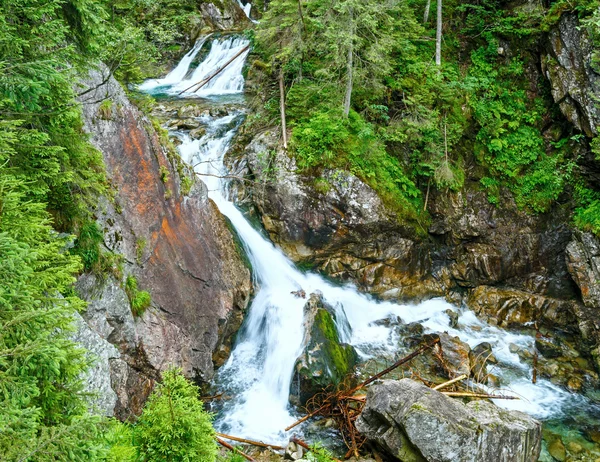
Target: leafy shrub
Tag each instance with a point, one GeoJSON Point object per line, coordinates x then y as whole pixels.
{"type": "Point", "coordinates": [174, 425]}
{"type": "Point", "coordinates": [139, 300]}
{"type": "Point", "coordinates": [327, 140]}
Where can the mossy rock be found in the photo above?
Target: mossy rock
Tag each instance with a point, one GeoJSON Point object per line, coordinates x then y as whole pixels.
{"type": "Point", "coordinates": [325, 361]}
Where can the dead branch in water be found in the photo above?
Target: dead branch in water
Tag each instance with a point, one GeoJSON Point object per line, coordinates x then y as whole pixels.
{"type": "Point", "coordinates": [204, 81]}
{"type": "Point", "coordinates": [344, 408]}
{"type": "Point", "coordinates": [234, 449]}
{"type": "Point", "coordinates": [259, 444]}
{"type": "Point", "coordinates": [467, 394]}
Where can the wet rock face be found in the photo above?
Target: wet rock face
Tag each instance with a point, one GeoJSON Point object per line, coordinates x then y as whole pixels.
{"type": "Point", "coordinates": [412, 422]}
{"type": "Point", "coordinates": [575, 82]}
{"type": "Point", "coordinates": [338, 224]}
{"type": "Point", "coordinates": [325, 361]}
{"type": "Point", "coordinates": [583, 261]}
{"type": "Point", "coordinates": [178, 247]}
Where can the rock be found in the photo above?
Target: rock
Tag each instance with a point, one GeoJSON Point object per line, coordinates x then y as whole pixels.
{"type": "Point", "coordinates": [405, 417]}
{"type": "Point", "coordinates": [293, 451]}
{"type": "Point", "coordinates": [338, 225]}
{"type": "Point", "coordinates": [574, 79]}
{"type": "Point", "coordinates": [583, 262]}
{"type": "Point", "coordinates": [479, 357]}
{"type": "Point", "coordinates": [97, 378]}
{"type": "Point", "coordinates": [453, 318]}
{"type": "Point", "coordinates": [557, 450]}
{"type": "Point", "coordinates": [548, 349]}
{"type": "Point", "coordinates": [515, 308]}
{"type": "Point", "coordinates": [197, 133]}
{"type": "Point", "coordinates": [325, 361]}
{"type": "Point", "coordinates": [179, 248]}
{"type": "Point", "coordinates": [456, 354]}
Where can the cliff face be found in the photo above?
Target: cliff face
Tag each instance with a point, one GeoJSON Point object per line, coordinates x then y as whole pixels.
{"type": "Point", "coordinates": [575, 81]}
{"type": "Point", "coordinates": [178, 247]}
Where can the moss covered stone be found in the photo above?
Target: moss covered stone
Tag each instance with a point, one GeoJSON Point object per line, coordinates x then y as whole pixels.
{"type": "Point", "coordinates": [325, 361]}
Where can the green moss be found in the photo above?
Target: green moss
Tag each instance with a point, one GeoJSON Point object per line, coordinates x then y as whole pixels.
{"type": "Point", "coordinates": [338, 358]}
{"type": "Point", "coordinates": [105, 109]}
{"type": "Point", "coordinates": [140, 245]}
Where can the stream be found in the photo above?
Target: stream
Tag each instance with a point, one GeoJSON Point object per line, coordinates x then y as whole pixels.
{"type": "Point", "coordinates": [259, 371]}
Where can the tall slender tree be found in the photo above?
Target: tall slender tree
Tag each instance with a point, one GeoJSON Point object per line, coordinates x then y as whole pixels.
{"type": "Point", "coordinates": [438, 35]}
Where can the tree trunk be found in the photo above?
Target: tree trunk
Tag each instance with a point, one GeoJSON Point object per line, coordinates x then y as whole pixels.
{"type": "Point", "coordinates": [438, 35]}
{"type": "Point", "coordinates": [426, 14]}
{"type": "Point", "coordinates": [282, 108]}
{"type": "Point", "coordinates": [349, 68]}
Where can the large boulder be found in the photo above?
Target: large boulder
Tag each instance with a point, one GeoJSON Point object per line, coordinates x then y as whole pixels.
{"type": "Point", "coordinates": [411, 422]}
{"type": "Point", "coordinates": [324, 361]}
{"type": "Point", "coordinates": [172, 239]}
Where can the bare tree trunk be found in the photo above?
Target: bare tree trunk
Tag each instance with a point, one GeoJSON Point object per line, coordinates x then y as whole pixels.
{"type": "Point", "coordinates": [349, 68]}
{"type": "Point", "coordinates": [426, 14]}
{"type": "Point", "coordinates": [438, 35]}
{"type": "Point", "coordinates": [282, 107]}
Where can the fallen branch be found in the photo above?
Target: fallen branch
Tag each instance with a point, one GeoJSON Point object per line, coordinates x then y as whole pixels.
{"type": "Point", "coordinates": [204, 81]}
{"type": "Point", "coordinates": [251, 442]}
{"type": "Point", "coordinates": [397, 364]}
{"type": "Point", "coordinates": [299, 442]}
{"type": "Point", "coordinates": [232, 449]}
{"type": "Point", "coordinates": [450, 382]}
{"type": "Point", "coordinates": [477, 395]}
{"type": "Point", "coordinates": [306, 417]}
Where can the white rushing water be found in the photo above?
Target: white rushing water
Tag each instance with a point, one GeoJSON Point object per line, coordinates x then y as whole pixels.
{"type": "Point", "coordinates": [259, 371]}
{"type": "Point", "coordinates": [226, 82]}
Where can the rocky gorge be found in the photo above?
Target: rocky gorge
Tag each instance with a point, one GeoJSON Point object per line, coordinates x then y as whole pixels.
{"type": "Point", "coordinates": [515, 270]}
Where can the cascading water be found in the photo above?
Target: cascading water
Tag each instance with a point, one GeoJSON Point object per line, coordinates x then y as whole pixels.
{"type": "Point", "coordinates": [228, 81]}
{"type": "Point", "coordinates": [259, 371]}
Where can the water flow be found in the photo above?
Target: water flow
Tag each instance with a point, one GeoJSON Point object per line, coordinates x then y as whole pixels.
{"type": "Point", "coordinates": [259, 371]}
{"type": "Point", "coordinates": [258, 374]}
{"type": "Point", "coordinates": [178, 74]}
{"type": "Point", "coordinates": [227, 81]}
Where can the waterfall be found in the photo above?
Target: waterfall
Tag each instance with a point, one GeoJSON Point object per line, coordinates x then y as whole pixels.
{"type": "Point", "coordinates": [179, 73]}
{"type": "Point", "coordinates": [259, 371]}
{"type": "Point", "coordinates": [228, 81]}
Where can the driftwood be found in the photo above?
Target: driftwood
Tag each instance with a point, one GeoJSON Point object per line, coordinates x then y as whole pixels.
{"type": "Point", "coordinates": [204, 81]}
{"type": "Point", "coordinates": [233, 449]}
{"type": "Point", "coordinates": [450, 382]}
{"type": "Point", "coordinates": [344, 408]}
{"type": "Point", "coordinates": [259, 444]}
{"type": "Point", "coordinates": [466, 394]}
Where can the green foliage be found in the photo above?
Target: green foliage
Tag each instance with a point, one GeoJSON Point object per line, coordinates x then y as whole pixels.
{"type": "Point", "coordinates": [144, 33]}
{"type": "Point", "coordinates": [139, 300]}
{"type": "Point", "coordinates": [509, 141]}
{"type": "Point", "coordinates": [328, 140]}
{"type": "Point", "coordinates": [318, 453]}
{"type": "Point", "coordinates": [43, 411]}
{"type": "Point", "coordinates": [174, 425]}
{"type": "Point", "coordinates": [118, 438]}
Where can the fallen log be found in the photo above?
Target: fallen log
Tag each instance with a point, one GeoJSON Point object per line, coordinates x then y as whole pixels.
{"type": "Point", "coordinates": [476, 395]}
{"type": "Point", "coordinates": [397, 364]}
{"type": "Point", "coordinates": [205, 80]}
{"type": "Point", "coordinates": [259, 444]}
{"type": "Point", "coordinates": [306, 417]}
{"type": "Point", "coordinates": [232, 449]}
{"type": "Point", "coordinates": [450, 382]}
